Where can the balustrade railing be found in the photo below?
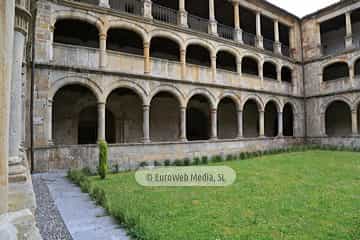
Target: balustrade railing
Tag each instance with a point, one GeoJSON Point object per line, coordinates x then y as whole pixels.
{"type": "Point", "coordinates": [198, 23]}
{"type": "Point", "coordinates": [332, 49]}
{"type": "Point", "coordinates": [164, 14]}
{"type": "Point", "coordinates": [128, 6]}
{"type": "Point", "coordinates": [225, 31]}
{"type": "Point", "coordinates": [249, 38]}
{"type": "Point", "coordinates": [356, 41]}
{"type": "Point", "coordinates": [285, 50]}
{"type": "Point", "coordinates": [268, 44]}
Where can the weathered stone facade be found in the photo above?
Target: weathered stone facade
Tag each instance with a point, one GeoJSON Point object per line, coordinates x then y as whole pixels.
{"type": "Point", "coordinates": [143, 99]}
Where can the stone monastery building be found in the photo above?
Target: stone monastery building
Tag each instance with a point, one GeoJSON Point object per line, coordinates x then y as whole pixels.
{"type": "Point", "coordinates": [171, 79]}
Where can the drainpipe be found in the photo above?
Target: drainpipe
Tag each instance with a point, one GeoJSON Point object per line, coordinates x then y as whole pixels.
{"type": "Point", "coordinates": [31, 107]}
{"type": "Point", "coordinates": [303, 80]}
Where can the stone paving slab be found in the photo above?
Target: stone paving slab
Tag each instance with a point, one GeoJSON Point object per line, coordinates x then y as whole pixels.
{"type": "Point", "coordinates": [82, 217]}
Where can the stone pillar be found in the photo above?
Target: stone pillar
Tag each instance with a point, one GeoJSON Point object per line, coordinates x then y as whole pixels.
{"type": "Point", "coordinates": [213, 135]}
{"type": "Point", "coordinates": [240, 124]}
{"type": "Point", "coordinates": [261, 123]}
{"type": "Point", "coordinates": [49, 122]}
{"type": "Point", "coordinates": [259, 37]}
{"type": "Point", "coordinates": [183, 63]}
{"type": "Point", "coordinates": [213, 67]}
{"type": "Point", "coordinates": [147, 67]}
{"type": "Point", "coordinates": [355, 130]}
{"type": "Point", "coordinates": [50, 46]}
{"type": "Point", "coordinates": [183, 124]}
{"type": "Point", "coordinates": [104, 3]}
{"type": "Point", "coordinates": [102, 40]}
{"type": "Point", "coordinates": [101, 121]}
{"type": "Point", "coordinates": [15, 102]}
{"type": "Point", "coordinates": [212, 19]}
{"type": "Point", "coordinates": [348, 37]}
{"type": "Point", "coordinates": [7, 12]}
{"type": "Point", "coordinates": [280, 124]}
{"type": "Point", "coordinates": [278, 73]}
{"type": "Point", "coordinates": [277, 43]}
{"type": "Point", "coordinates": [182, 17]}
{"type": "Point", "coordinates": [238, 31]}
{"type": "Point", "coordinates": [147, 12]}
{"type": "Point", "coordinates": [146, 123]}
{"type": "Point", "coordinates": [238, 66]}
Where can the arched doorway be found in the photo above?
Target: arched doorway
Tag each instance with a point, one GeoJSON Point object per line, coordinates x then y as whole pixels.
{"type": "Point", "coordinates": [227, 119]}
{"type": "Point", "coordinates": [164, 118]}
{"type": "Point", "coordinates": [338, 119]}
{"type": "Point", "coordinates": [288, 120]}
{"type": "Point", "coordinates": [75, 115]}
{"type": "Point", "coordinates": [198, 118]}
{"type": "Point", "coordinates": [250, 119]}
{"type": "Point", "coordinates": [271, 119]}
{"type": "Point", "coordinates": [126, 106]}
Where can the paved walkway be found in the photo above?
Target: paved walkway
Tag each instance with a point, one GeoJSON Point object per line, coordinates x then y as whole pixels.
{"type": "Point", "coordinates": [83, 219]}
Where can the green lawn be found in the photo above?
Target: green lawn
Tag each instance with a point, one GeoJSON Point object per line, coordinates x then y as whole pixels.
{"type": "Point", "coordinates": [310, 195]}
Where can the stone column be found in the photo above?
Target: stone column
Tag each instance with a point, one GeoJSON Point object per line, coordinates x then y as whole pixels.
{"type": "Point", "coordinates": [7, 12]}
{"type": "Point", "coordinates": [49, 122]}
{"type": "Point", "coordinates": [147, 12]}
{"type": "Point", "coordinates": [280, 124]}
{"type": "Point", "coordinates": [238, 66]}
{"type": "Point", "coordinates": [355, 130]}
{"type": "Point", "coordinates": [240, 124]}
{"type": "Point", "coordinates": [212, 19]}
{"type": "Point", "coordinates": [348, 37]}
{"type": "Point", "coordinates": [102, 40]}
{"type": "Point", "coordinates": [183, 63]}
{"type": "Point", "coordinates": [50, 44]}
{"type": "Point", "coordinates": [182, 17]}
{"type": "Point", "coordinates": [147, 67]}
{"type": "Point", "coordinates": [146, 123]}
{"type": "Point", "coordinates": [104, 3]}
{"type": "Point", "coordinates": [183, 124]}
{"type": "Point", "coordinates": [277, 44]}
{"type": "Point", "coordinates": [261, 123]}
{"type": "Point", "coordinates": [238, 31]}
{"type": "Point", "coordinates": [101, 121]}
{"type": "Point", "coordinates": [16, 101]}
{"type": "Point", "coordinates": [213, 135]}
{"type": "Point", "coordinates": [213, 67]}
{"type": "Point", "coordinates": [278, 73]}
{"type": "Point", "coordinates": [259, 37]}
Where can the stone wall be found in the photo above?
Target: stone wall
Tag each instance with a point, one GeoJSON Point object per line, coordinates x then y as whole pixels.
{"type": "Point", "coordinates": [130, 155]}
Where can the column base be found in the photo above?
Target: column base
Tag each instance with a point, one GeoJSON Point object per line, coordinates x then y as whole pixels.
{"type": "Point", "coordinates": [213, 27]}
{"type": "Point", "coordinates": [146, 140]}
{"type": "Point", "coordinates": [349, 42]}
{"type": "Point", "coordinates": [182, 19]}
{"type": "Point", "coordinates": [51, 143]}
{"type": "Point", "coordinates": [238, 35]}
{"type": "Point", "coordinates": [277, 48]}
{"type": "Point", "coordinates": [260, 42]}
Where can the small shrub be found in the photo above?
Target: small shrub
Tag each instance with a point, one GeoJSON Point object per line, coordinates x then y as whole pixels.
{"type": "Point", "coordinates": [204, 160]}
{"type": "Point", "coordinates": [167, 163]}
{"type": "Point", "coordinates": [103, 159]}
{"type": "Point", "coordinates": [216, 159]}
{"type": "Point", "coordinates": [186, 162]}
{"type": "Point", "coordinates": [196, 161]}
{"type": "Point", "coordinates": [178, 163]}
{"type": "Point", "coordinates": [144, 164]}
{"type": "Point", "coordinates": [242, 156]}
{"type": "Point", "coordinates": [229, 157]}
{"type": "Point", "coordinates": [116, 168]}
{"type": "Point", "coordinates": [157, 163]}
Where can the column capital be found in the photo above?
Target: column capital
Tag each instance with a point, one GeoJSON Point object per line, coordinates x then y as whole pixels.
{"type": "Point", "coordinates": [102, 36]}
{"type": "Point", "coordinates": [213, 110]}
{"type": "Point", "coordinates": [146, 107]}
{"type": "Point", "coordinates": [146, 44]}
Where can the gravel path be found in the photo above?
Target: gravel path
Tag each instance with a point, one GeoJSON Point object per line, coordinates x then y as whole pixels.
{"type": "Point", "coordinates": [48, 218]}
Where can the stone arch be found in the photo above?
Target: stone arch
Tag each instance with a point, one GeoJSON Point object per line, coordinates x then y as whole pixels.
{"type": "Point", "coordinates": [78, 15]}
{"type": "Point", "coordinates": [137, 88]}
{"type": "Point", "coordinates": [277, 102]}
{"type": "Point", "coordinates": [328, 75]}
{"type": "Point", "coordinates": [327, 103]}
{"type": "Point", "coordinates": [255, 98]}
{"type": "Point", "coordinates": [169, 89]}
{"type": "Point", "coordinates": [128, 26]}
{"type": "Point", "coordinates": [256, 57]}
{"type": "Point", "coordinates": [202, 43]}
{"type": "Point", "coordinates": [73, 80]}
{"type": "Point", "coordinates": [171, 35]}
{"type": "Point", "coordinates": [356, 66]}
{"type": "Point", "coordinates": [338, 118]}
{"type": "Point", "coordinates": [294, 106]}
{"type": "Point", "coordinates": [229, 50]}
{"type": "Point", "coordinates": [206, 93]}
{"type": "Point", "coordinates": [233, 96]}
